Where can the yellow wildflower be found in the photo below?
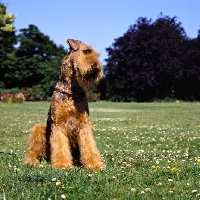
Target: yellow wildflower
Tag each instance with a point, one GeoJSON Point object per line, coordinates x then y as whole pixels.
{"type": "Point", "coordinates": [173, 169]}
{"type": "Point", "coordinates": [155, 170]}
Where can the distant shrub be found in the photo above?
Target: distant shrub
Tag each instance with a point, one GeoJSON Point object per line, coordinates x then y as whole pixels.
{"type": "Point", "coordinates": [34, 93]}
{"type": "Point", "coordinates": [12, 98]}
{"type": "Point", "coordinates": [93, 94]}
{"type": "Point", "coordinates": [6, 98]}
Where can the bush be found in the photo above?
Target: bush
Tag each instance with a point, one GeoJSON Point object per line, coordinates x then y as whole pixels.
{"type": "Point", "coordinates": [121, 95]}
{"type": "Point", "coordinates": [2, 84]}
{"type": "Point", "coordinates": [10, 91]}
{"type": "Point", "coordinates": [33, 94]}
{"type": "Point", "coordinates": [6, 98]}
{"type": "Point", "coordinates": [93, 94]}
{"type": "Point", "coordinates": [12, 98]}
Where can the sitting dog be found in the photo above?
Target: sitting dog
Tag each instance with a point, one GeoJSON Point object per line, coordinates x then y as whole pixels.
{"type": "Point", "coordinates": [67, 139]}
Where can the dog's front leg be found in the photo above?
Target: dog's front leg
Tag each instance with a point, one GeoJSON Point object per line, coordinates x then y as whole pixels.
{"type": "Point", "coordinates": [90, 156]}
{"type": "Point", "coordinates": [60, 149]}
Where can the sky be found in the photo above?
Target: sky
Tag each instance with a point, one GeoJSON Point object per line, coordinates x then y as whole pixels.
{"type": "Point", "coordinates": [98, 22]}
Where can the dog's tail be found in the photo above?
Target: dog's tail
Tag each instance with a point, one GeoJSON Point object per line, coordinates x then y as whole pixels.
{"type": "Point", "coordinates": [37, 145]}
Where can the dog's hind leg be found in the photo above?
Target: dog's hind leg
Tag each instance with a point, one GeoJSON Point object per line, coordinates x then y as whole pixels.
{"type": "Point", "coordinates": [37, 145]}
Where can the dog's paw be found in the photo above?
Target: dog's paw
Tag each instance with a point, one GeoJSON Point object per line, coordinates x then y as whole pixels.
{"type": "Point", "coordinates": [62, 166]}
{"type": "Point", "coordinates": [95, 166]}
{"type": "Point", "coordinates": [31, 162]}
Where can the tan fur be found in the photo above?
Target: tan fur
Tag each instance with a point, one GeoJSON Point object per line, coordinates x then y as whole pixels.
{"type": "Point", "coordinates": [67, 137]}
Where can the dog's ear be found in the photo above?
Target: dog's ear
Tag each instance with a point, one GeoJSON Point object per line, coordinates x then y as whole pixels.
{"type": "Point", "coordinates": [74, 44]}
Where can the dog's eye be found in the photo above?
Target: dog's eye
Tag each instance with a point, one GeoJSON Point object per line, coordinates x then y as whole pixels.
{"type": "Point", "coordinates": [86, 51]}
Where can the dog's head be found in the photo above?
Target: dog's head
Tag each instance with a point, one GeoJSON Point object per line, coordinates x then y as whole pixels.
{"type": "Point", "coordinates": [85, 63]}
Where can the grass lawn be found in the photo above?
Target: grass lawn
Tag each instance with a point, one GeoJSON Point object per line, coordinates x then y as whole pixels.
{"type": "Point", "coordinates": [152, 151]}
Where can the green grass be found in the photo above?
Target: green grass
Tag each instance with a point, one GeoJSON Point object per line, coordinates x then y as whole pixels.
{"type": "Point", "coordinates": [152, 151]}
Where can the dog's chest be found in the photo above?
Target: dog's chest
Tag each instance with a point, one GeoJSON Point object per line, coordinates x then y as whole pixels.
{"type": "Point", "coordinates": [72, 124]}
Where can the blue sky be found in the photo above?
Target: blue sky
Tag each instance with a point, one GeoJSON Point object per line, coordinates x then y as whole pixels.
{"type": "Point", "coordinates": [98, 22]}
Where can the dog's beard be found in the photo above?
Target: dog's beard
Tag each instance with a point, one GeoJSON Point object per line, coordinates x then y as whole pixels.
{"type": "Point", "coordinates": [87, 78]}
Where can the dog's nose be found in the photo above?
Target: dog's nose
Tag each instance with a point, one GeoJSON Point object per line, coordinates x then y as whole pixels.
{"type": "Point", "coordinates": [95, 69]}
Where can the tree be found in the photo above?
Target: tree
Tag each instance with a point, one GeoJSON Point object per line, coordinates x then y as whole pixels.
{"type": "Point", "coordinates": [144, 63]}
{"type": "Point", "coordinates": [188, 86]}
{"type": "Point", "coordinates": [6, 23]}
{"type": "Point", "coordinates": [7, 39]}
{"type": "Point", "coordinates": [35, 62]}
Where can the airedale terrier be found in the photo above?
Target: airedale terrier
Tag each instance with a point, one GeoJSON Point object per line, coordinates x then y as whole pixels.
{"type": "Point", "coordinates": [67, 138]}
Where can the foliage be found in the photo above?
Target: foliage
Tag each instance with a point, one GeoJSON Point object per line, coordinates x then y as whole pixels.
{"type": "Point", "coordinates": [151, 60]}
{"type": "Point", "coordinates": [13, 98]}
{"type": "Point", "coordinates": [34, 93]}
{"type": "Point", "coordinates": [6, 98]}
{"type": "Point", "coordinates": [187, 86]}
{"type": "Point", "coordinates": [7, 38]}
{"type": "Point", "coordinates": [151, 151]}
{"type": "Point", "coordinates": [35, 61]}
{"type": "Point", "coordinates": [101, 88]}
{"type": "Point", "coordinates": [10, 91]}
{"type": "Point", "coordinates": [92, 94]}
{"type": "Point", "coordinates": [6, 20]}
